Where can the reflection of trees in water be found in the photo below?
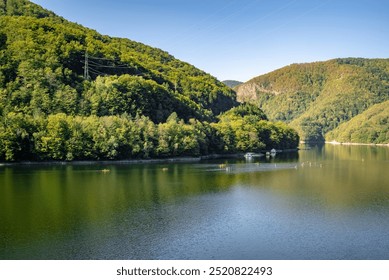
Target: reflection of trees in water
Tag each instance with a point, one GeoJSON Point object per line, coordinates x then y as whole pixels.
{"type": "Point", "coordinates": [337, 176]}
{"type": "Point", "coordinates": [353, 152]}
{"type": "Point", "coordinates": [38, 200]}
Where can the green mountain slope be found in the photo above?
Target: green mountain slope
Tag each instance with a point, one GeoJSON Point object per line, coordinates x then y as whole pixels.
{"type": "Point", "coordinates": [43, 60]}
{"type": "Point", "coordinates": [371, 126]}
{"type": "Point", "coordinates": [70, 93]}
{"type": "Point", "coordinates": [316, 98]}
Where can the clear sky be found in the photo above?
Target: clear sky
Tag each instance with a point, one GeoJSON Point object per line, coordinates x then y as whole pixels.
{"type": "Point", "coordinates": [240, 39]}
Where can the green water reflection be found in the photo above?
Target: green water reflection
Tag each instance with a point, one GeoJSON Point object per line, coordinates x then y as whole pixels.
{"type": "Point", "coordinates": [40, 204]}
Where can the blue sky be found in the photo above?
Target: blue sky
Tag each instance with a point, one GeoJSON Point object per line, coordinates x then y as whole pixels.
{"type": "Point", "coordinates": [240, 39]}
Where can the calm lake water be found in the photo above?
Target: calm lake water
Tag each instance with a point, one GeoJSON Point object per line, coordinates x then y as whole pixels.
{"type": "Point", "coordinates": [329, 202]}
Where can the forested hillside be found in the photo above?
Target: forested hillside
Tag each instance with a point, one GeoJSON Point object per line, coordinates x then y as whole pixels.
{"type": "Point", "coordinates": [315, 98]}
{"type": "Point", "coordinates": [68, 92]}
{"type": "Point", "coordinates": [43, 59]}
{"type": "Point", "coordinates": [372, 126]}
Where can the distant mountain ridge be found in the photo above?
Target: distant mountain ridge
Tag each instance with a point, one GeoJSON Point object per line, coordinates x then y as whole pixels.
{"type": "Point", "coordinates": [231, 83]}
{"type": "Point", "coordinates": [316, 98]}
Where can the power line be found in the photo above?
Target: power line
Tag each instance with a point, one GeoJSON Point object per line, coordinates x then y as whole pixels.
{"type": "Point", "coordinates": [91, 63]}
{"type": "Point", "coordinates": [97, 73]}
{"type": "Point", "coordinates": [100, 58]}
{"type": "Point", "coordinates": [101, 66]}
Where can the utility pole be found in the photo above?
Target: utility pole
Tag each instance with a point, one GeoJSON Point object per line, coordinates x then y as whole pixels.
{"type": "Point", "coordinates": [86, 67]}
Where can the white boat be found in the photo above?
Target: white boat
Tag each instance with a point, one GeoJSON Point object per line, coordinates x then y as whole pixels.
{"type": "Point", "coordinates": [251, 155]}
{"type": "Point", "coordinates": [272, 153]}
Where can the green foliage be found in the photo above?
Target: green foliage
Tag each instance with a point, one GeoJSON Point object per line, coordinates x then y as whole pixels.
{"type": "Point", "coordinates": [177, 138]}
{"type": "Point", "coordinates": [65, 137]}
{"type": "Point", "coordinates": [245, 128]}
{"type": "Point", "coordinates": [243, 110]}
{"type": "Point", "coordinates": [15, 137]}
{"type": "Point", "coordinates": [22, 7]}
{"type": "Point", "coordinates": [371, 126]}
{"type": "Point", "coordinates": [132, 95]}
{"type": "Point", "coordinates": [316, 98]}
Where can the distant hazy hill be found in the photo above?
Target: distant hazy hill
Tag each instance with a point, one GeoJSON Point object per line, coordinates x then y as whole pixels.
{"type": "Point", "coordinates": [315, 98]}
{"type": "Point", "coordinates": [231, 83]}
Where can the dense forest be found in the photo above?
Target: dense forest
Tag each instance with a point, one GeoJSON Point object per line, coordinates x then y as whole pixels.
{"type": "Point", "coordinates": [316, 98]}
{"type": "Point", "coordinates": [371, 126]}
{"type": "Point", "coordinates": [70, 93]}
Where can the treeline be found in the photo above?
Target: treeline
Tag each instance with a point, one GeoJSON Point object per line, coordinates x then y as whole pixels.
{"type": "Point", "coordinates": [65, 137]}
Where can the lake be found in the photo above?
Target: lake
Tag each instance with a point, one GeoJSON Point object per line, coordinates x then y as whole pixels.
{"type": "Point", "coordinates": [328, 202]}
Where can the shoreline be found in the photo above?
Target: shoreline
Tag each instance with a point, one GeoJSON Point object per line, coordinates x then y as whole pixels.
{"type": "Point", "coordinates": [101, 162]}
{"type": "Point", "coordinates": [187, 159]}
{"type": "Point", "coordinates": [355, 144]}
{"type": "Point", "coordinates": [124, 161]}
